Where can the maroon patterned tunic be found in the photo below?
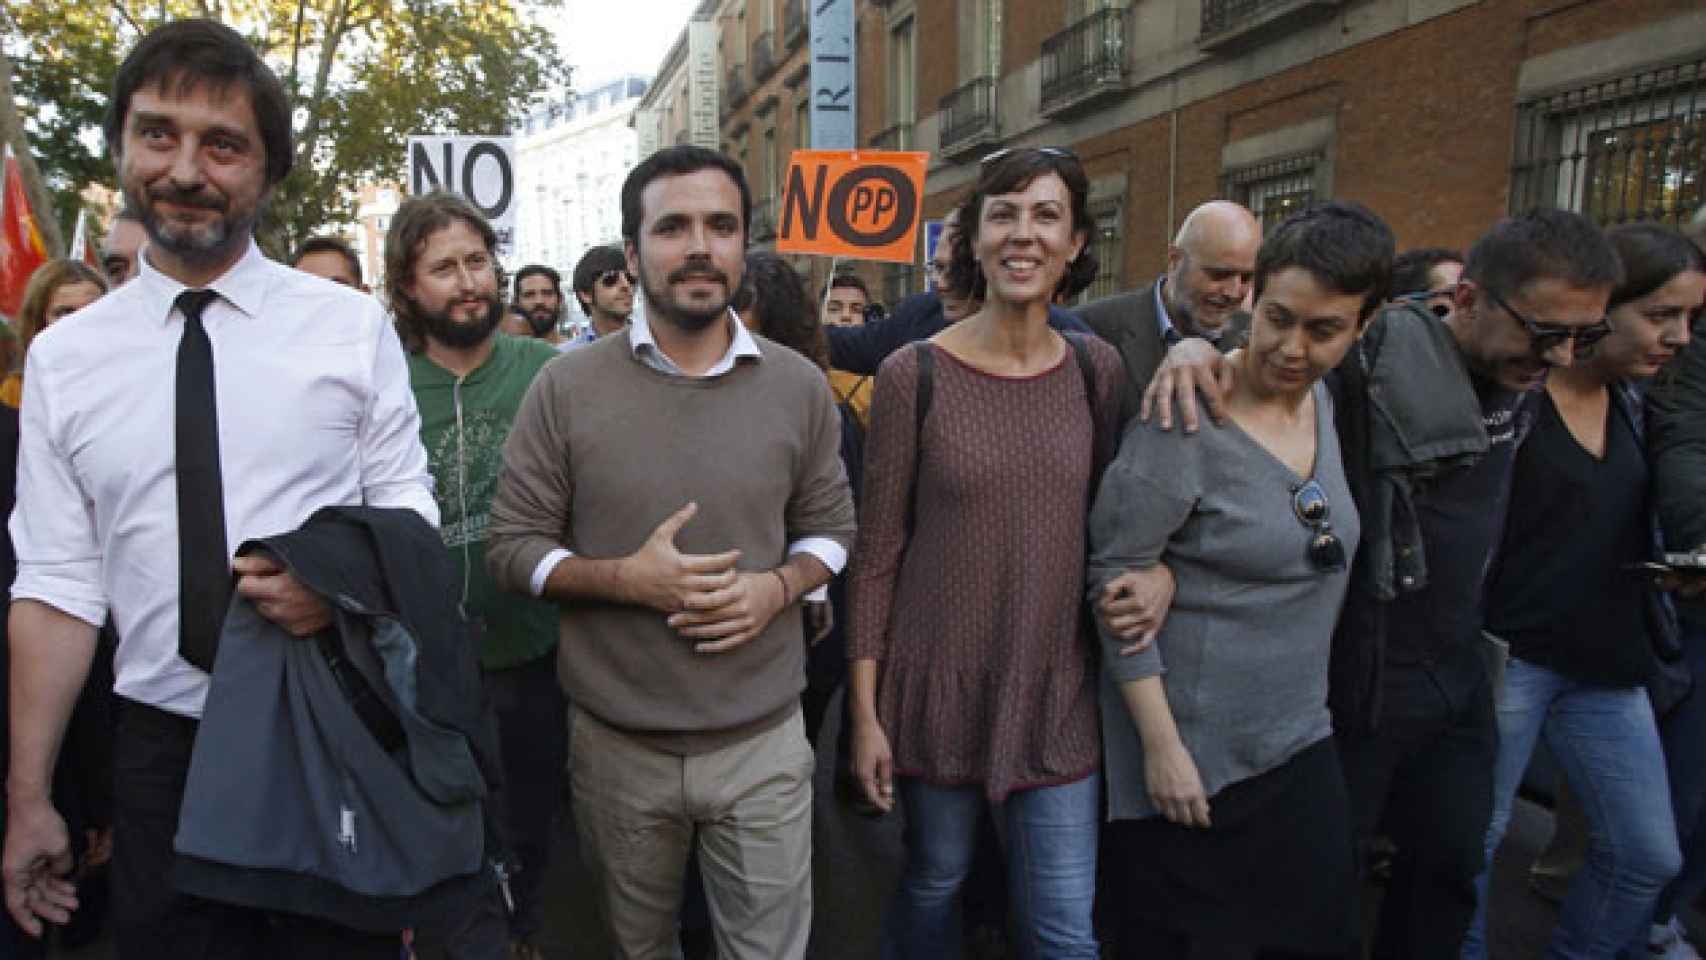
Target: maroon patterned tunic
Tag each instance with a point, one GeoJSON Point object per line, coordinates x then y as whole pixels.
{"type": "Point", "coordinates": [973, 614]}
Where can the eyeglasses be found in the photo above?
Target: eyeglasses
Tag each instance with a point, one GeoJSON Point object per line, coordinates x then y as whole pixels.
{"type": "Point", "coordinates": [608, 277]}
{"type": "Point", "coordinates": [1309, 503]}
{"type": "Point", "coordinates": [1421, 297]}
{"type": "Point", "coordinates": [1549, 336]}
{"type": "Point", "coordinates": [1058, 153]}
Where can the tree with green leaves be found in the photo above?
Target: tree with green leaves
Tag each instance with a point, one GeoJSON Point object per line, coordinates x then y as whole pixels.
{"type": "Point", "coordinates": [362, 75]}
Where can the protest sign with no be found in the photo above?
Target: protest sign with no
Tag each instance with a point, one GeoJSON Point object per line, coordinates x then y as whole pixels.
{"type": "Point", "coordinates": [857, 204]}
{"type": "Point", "coordinates": [479, 168]}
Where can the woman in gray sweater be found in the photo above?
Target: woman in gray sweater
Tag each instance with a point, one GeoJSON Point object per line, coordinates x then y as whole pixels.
{"type": "Point", "coordinates": [1230, 829]}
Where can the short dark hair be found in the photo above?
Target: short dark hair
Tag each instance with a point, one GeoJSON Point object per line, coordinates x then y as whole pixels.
{"type": "Point", "coordinates": [187, 53]}
{"type": "Point", "coordinates": [786, 313]}
{"type": "Point", "coordinates": [416, 219]}
{"type": "Point", "coordinates": [850, 281]}
{"type": "Point", "coordinates": [1544, 244]}
{"type": "Point", "coordinates": [675, 162]}
{"type": "Point", "coordinates": [1410, 269]}
{"type": "Point", "coordinates": [1652, 254]}
{"type": "Point", "coordinates": [1013, 171]}
{"type": "Point", "coordinates": [537, 270]}
{"type": "Point", "coordinates": [596, 263]}
{"type": "Point", "coordinates": [1342, 244]}
{"type": "Point", "coordinates": [324, 244]}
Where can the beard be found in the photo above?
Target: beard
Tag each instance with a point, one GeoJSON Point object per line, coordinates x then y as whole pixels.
{"type": "Point", "coordinates": [197, 244]}
{"type": "Point", "coordinates": [459, 334]}
{"type": "Point", "coordinates": [543, 319]}
{"type": "Point", "coordinates": [691, 318]}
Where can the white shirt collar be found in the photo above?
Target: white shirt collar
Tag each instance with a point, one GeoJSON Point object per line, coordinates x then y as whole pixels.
{"type": "Point", "coordinates": [647, 351]}
{"type": "Point", "coordinates": [244, 286]}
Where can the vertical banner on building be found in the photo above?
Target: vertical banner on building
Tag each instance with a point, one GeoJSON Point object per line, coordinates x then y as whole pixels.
{"type": "Point", "coordinates": [479, 168]}
{"type": "Point", "coordinates": [703, 118]}
{"type": "Point", "coordinates": [646, 131]}
{"type": "Point", "coordinates": [835, 121]}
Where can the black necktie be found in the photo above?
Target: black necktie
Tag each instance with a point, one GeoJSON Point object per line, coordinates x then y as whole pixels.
{"type": "Point", "coordinates": [204, 569]}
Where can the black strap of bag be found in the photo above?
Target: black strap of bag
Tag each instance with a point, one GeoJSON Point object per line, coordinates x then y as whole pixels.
{"type": "Point", "coordinates": [926, 357]}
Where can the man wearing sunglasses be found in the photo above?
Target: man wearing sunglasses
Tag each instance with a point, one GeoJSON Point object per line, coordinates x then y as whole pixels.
{"type": "Point", "coordinates": [1410, 693]}
{"type": "Point", "coordinates": [1427, 276]}
{"type": "Point", "coordinates": [605, 290]}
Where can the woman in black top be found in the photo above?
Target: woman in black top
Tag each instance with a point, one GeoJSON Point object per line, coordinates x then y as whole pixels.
{"type": "Point", "coordinates": [1580, 623]}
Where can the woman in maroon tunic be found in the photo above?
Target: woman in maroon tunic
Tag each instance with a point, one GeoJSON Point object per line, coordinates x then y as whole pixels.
{"type": "Point", "coordinates": [972, 684]}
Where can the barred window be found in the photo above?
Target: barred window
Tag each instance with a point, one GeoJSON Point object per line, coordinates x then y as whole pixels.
{"type": "Point", "coordinates": [1620, 150]}
{"type": "Point", "coordinates": [1109, 250]}
{"type": "Point", "coordinates": [1275, 189]}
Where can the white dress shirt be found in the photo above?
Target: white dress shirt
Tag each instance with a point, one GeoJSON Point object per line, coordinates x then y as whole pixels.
{"type": "Point", "coordinates": [314, 410]}
{"type": "Point", "coordinates": [741, 347]}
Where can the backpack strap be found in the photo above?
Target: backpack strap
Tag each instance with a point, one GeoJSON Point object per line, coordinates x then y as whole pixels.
{"type": "Point", "coordinates": [1101, 446]}
{"type": "Point", "coordinates": [1086, 367]}
{"type": "Point", "coordinates": [926, 358]}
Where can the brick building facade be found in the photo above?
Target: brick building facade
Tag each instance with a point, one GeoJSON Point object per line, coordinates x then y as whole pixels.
{"type": "Point", "coordinates": [1441, 115]}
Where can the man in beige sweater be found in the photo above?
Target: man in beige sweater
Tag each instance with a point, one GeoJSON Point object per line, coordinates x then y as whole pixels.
{"type": "Point", "coordinates": [676, 489]}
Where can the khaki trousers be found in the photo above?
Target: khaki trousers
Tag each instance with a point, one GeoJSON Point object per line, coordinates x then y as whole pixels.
{"type": "Point", "coordinates": [638, 811]}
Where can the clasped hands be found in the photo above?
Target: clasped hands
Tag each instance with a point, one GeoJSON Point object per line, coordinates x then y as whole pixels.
{"type": "Point", "coordinates": [704, 597]}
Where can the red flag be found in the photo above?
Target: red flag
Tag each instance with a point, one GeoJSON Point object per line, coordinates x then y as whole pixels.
{"type": "Point", "coordinates": [21, 246]}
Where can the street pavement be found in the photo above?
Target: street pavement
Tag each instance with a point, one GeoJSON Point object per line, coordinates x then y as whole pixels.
{"type": "Point", "coordinates": [857, 862]}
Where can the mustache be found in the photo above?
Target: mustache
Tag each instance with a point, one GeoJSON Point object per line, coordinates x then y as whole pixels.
{"type": "Point", "coordinates": [696, 271]}
{"type": "Point", "coordinates": [185, 198]}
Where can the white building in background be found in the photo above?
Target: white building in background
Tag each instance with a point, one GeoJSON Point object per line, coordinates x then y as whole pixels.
{"type": "Point", "coordinates": [572, 159]}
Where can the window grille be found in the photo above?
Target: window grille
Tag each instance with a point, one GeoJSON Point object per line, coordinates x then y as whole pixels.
{"type": "Point", "coordinates": [1620, 150]}
{"type": "Point", "coordinates": [1275, 189]}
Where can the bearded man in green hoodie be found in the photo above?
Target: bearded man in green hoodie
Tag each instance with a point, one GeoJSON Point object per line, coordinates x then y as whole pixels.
{"type": "Point", "coordinates": [441, 275]}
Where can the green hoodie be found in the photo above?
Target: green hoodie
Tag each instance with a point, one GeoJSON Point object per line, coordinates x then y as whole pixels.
{"type": "Point", "coordinates": [465, 476]}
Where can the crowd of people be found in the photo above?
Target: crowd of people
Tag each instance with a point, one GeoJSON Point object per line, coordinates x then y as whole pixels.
{"type": "Point", "coordinates": [1224, 602]}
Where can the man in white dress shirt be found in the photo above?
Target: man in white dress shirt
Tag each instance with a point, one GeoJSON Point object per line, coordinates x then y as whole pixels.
{"type": "Point", "coordinates": [217, 398]}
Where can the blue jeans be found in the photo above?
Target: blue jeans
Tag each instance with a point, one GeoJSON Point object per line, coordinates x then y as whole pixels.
{"type": "Point", "coordinates": [1607, 743]}
{"type": "Point", "coordinates": [1684, 733]}
{"type": "Point", "coordinates": [1050, 839]}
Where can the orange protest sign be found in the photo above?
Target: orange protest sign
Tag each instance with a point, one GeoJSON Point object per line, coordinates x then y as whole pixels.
{"type": "Point", "coordinates": [857, 204]}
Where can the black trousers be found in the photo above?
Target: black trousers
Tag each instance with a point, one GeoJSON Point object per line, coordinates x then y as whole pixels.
{"type": "Point", "coordinates": [151, 761]}
{"type": "Point", "coordinates": [533, 736]}
{"type": "Point", "coordinates": [1424, 778]}
{"type": "Point", "coordinates": [1274, 877]}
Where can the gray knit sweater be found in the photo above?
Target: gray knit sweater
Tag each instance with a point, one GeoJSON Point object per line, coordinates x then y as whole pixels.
{"type": "Point", "coordinates": [1243, 654]}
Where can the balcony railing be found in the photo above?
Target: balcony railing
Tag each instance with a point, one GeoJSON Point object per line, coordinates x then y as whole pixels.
{"type": "Point", "coordinates": [734, 88]}
{"type": "Point", "coordinates": [897, 137]}
{"type": "Point", "coordinates": [763, 56]}
{"type": "Point", "coordinates": [793, 23]}
{"type": "Point", "coordinates": [1233, 24]}
{"type": "Point", "coordinates": [968, 116]}
{"type": "Point", "coordinates": [1084, 61]}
